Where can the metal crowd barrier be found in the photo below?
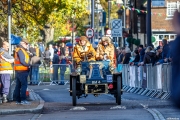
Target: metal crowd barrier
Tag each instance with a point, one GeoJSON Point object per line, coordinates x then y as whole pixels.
{"type": "Point", "coordinates": [148, 80]}
{"type": "Point", "coordinates": [60, 73]}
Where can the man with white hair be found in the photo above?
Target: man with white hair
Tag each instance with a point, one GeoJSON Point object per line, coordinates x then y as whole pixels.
{"type": "Point", "coordinates": [6, 69]}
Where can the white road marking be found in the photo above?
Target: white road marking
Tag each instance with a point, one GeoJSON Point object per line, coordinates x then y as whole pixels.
{"type": "Point", "coordinates": [118, 107]}
{"type": "Point", "coordinates": [46, 89]}
{"type": "Point", "coordinates": [78, 108]}
{"type": "Point", "coordinates": [36, 116]}
{"type": "Point", "coordinates": [155, 113]}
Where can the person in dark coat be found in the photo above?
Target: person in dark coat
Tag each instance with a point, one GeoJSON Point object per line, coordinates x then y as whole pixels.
{"type": "Point", "coordinates": [175, 54]}
{"type": "Point", "coordinates": [55, 67]}
{"type": "Point", "coordinates": [63, 62]}
{"type": "Point", "coordinates": [141, 53]}
{"type": "Point", "coordinates": [127, 55]}
{"type": "Point", "coordinates": [158, 53]}
{"type": "Point", "coordinates": [63, 49]}
{"type": "Point", "coordinates": [150, 56]}
{"type": "Point", "coordinates": [120, 56]}
{"type": "Point", "coordinates": [137, 57]}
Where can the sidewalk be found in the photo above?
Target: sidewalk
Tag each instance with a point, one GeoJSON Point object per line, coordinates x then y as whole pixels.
{"type": "Point", "coordinates": [11, 108]}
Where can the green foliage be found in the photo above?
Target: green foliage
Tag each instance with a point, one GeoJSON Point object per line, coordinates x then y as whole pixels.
{"type": "Point", "coordinates": [35, 14]}
{"type": "Point", "coordinates": [114, 8]}
{"type": "Point", "coordinates": [129, 39]}
{"type": "Point", "coordinates": [137, 42]}
{"type": "Point", "coordinates": [133, 41]}
{"type": "Point", "coordinates": [153, 39]}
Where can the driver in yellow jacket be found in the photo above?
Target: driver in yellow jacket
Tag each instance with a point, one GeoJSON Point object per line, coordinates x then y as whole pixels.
{"type": "Point", "coordinates": [84, 51]}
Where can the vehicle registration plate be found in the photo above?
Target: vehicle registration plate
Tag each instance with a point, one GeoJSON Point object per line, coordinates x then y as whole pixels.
{"type": "Point", "coordinates": [109, 78]}
{"type": "Point", "coordinates": [96, 82]}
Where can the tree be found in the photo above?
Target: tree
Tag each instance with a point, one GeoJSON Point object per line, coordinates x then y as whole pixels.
{"type": "Point", "coordinates": [114, 8]}
{"type": "Point", "coordinates": [49, 16]}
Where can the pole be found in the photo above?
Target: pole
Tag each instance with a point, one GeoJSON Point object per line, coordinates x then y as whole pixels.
{"type": "Point", "coordinates": [149, 43]}
{"type": "Point", "coordinates": [73, 31]}
{"type": "Point", "coordinates": [9, 25]}
{"type": "Point", "coordinates": [92, 18]}
{"type": "Point", "coordinates": [98, 21]}
{"type": "Point", "coordinates": [10, 96]}
{"type": "Point", "coordinates": [123, 40]}
{"type": "Point", "coordinates": [109, 12]}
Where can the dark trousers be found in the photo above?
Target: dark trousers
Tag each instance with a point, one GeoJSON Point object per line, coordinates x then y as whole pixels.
{"type": "Point", "coordinates": [5, 83]}
{"type": "Point", "coordinates": [55, 72]}
{"type": "Point", "coordinates": [21, 85]}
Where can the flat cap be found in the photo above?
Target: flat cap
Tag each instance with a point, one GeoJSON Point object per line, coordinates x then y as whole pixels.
{"type": "Point", "coordinates": [25, 40]}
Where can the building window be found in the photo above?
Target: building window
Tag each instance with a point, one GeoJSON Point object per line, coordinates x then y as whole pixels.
{"type": "Point", "coordinates": [172, 7]}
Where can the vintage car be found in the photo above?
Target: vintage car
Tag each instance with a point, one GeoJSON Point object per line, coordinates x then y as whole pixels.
{"type": "Point", "coordinates": [95, 78]}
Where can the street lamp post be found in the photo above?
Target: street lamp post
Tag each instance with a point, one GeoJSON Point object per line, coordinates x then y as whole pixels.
{"type": "Point", "coordinates": [148, 23]}
{"type": "Point", "coordinates": [92, 18]}
{"type": "Point", "coordinates": [109, 12]}
{"type": "Point", "coordinates": [9, 24]}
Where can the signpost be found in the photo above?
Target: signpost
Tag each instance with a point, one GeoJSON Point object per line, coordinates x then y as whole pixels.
{"type": "Point", "coordinates": [108, 32]}
{"type": "Point", "coordinates": [116, 28]}
{"type": "Point", "coordinates": [89, 33]}
{"type": "Point", "coordinates": [159, 3]}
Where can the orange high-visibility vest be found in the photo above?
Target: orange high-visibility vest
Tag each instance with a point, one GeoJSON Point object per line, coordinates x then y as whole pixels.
{"type": "Point", "coordinates": [17, 63]}
{"type": "Point", "coordinates": [4, 65]}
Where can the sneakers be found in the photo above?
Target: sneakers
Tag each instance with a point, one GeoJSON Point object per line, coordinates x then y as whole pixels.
{"type": "Point", "coordinates": [4, 98]}
{"type": "Point", "coordinates": [18, 103]}
{"type": "Point", "coordinates": [23, 103]}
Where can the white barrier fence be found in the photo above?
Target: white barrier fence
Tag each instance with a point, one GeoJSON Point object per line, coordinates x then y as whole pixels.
{"type": "Point", "coordinates": [148, 80]}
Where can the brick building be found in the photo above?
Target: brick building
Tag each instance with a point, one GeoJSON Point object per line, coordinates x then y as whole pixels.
{"type": "Point", "coordinates": [161, 21]}
{"type": "Point", "coordinates": [161, 24]}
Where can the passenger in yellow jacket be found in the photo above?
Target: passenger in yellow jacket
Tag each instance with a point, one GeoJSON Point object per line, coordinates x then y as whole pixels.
{"type": "Point", "coordinates": [105, 50]}
{"type": "Point", "coordinates": [84, 51]}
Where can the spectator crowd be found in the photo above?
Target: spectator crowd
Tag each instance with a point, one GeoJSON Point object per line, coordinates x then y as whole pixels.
{"type": "Point", "coordinates": [145, 55]}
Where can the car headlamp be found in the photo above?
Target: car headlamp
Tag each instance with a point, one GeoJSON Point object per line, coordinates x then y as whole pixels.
{"type": "Point", "coordinates": [78, 70]}
{"type": "Point", "coordinates": [111, 68]}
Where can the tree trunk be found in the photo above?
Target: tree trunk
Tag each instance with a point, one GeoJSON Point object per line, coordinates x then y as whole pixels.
{"type": "Point", "coordinates": [47, 34]}
{"type": "Point", "coordinates": [3, 34]}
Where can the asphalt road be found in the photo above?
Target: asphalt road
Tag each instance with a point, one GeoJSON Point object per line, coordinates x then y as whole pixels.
{"type": "Point", "coordinates": [134, 107]}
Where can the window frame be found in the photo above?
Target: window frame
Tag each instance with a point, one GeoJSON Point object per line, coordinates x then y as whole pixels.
{"type": "Point", "coordinates": [171, 8]}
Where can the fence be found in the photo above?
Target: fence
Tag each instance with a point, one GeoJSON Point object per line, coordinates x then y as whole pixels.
{"type": "Point", "coordinates": [54, 74]}
{"type": "Point", "coordinates": [148, 80]}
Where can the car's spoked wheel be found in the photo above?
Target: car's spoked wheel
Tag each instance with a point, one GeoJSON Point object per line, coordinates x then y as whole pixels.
{"type": "Point", "coordinates": [118, 96]}
{"type": "Point", "coordinates": [74, 91]}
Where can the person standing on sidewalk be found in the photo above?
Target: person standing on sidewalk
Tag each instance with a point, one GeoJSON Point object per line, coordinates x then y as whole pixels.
{"type": "Point", "coordinates": [21, 66]}
{"type": "Point", "coordinates": [6, 61]}
{"type": "Point", "coordinates": [63, 62]}
{"type": "Point", "coordinates": [35, 63]}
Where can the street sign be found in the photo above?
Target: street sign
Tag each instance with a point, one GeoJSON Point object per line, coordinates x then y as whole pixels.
{"type": "Point", "coordinates": [116, 25]}
{"type": "Point", "coordinates": [158, 3]}
{"type": "Point", "coordinates": [89, 33]}
{"type": "Point", "coordinates": [108, 32]}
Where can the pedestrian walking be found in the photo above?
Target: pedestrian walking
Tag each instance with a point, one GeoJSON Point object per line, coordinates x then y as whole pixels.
{"type": "Point", "coordinates": [6, 70]}
{"type": "Point", "coordinates": [21, 67]}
